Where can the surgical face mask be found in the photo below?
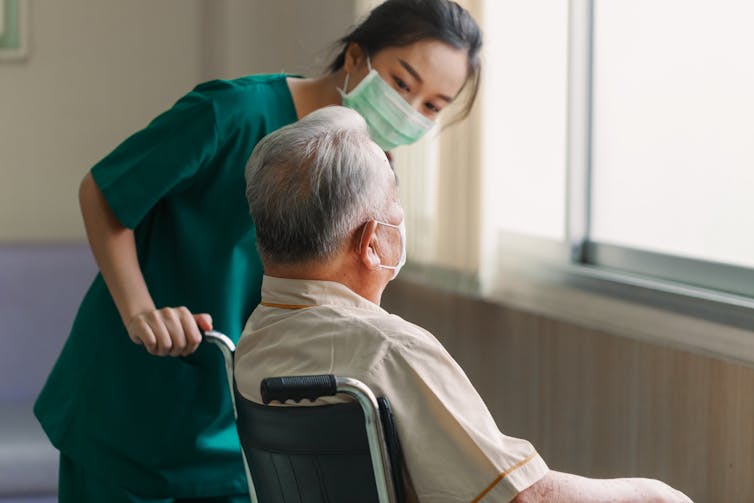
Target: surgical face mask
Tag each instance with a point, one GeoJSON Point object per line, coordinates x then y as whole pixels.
{"type": "Point", "coordinates": [391, 120]}
{"type": "Point", "coordinates": [401, 261]}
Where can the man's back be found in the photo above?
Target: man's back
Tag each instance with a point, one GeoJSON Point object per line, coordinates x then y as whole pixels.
{"type": "Point", "coordinates": [453, 449]}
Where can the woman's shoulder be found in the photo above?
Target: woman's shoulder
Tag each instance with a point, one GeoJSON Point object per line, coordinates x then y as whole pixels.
{"type": "Point", "coordinates": [252, 98]}
{"type": "Point", "coordinates": [249, 87]}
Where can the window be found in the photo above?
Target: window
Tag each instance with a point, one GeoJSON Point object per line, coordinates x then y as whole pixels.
{"type": "Point", "coordinates": [619, 132]}
{"type": "Point", "coordinates": [673, 140]}
{"type": "Point", "coordinates": [616, 156]}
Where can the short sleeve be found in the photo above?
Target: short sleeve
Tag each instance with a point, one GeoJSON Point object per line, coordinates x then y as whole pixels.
{"type": "Point", "coordinates": [453, 449]}
{"type": "Point", "coordinates": [154, 161]}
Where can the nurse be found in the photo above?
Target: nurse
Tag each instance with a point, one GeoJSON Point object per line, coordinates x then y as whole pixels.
{"type": "Point", "coordinates": [136, 406]}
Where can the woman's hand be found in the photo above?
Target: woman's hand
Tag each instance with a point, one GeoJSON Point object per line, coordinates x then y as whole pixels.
{"type": "Point", "coordinates": [170, 331]}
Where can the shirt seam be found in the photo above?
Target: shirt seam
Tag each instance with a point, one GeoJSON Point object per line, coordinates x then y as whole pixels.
{"type": "Point", "coordinates": [277, 305]}
{"type": "Point", "coordinates": [392, 346]}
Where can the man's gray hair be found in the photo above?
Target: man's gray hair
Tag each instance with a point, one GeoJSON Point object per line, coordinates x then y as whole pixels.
{"type": "Point", "coordinates": [311, 183]}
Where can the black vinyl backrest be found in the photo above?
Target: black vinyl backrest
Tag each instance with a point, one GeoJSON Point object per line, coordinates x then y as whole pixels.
{"type": "Point", "coordinates": [313, 454]}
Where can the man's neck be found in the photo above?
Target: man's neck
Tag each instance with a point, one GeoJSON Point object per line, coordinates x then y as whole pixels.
{"type": "Point", "coordinates": [360, 284]}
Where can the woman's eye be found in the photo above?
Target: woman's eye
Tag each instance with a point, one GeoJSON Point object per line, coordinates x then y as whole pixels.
{"type": "Point", "coordinates": [401, 85]}
{"type": "Point", "coordinates": [432, 108]}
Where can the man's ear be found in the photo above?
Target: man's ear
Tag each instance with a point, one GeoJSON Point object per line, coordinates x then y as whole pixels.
{"type": "Point", "coordinates": [354, 57]}
{"type": "Point", "coordinates": [367, 246]}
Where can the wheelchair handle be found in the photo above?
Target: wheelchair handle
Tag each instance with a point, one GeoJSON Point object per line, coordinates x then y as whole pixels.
{"type": "Point", "coordinates": [219, 339]}
{"type": "Point", "coordinates": [297, 388]}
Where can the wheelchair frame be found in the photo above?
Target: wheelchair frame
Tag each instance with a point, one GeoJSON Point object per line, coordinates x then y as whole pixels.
{"type": "Point", "coordinates": [313, 387]}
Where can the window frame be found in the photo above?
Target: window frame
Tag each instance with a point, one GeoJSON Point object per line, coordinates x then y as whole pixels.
{"type": "Point", "coordinates": [714, 291]}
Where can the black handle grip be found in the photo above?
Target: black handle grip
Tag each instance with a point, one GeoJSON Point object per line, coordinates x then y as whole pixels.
{"type": "Point", "coordinates": [297, 388]}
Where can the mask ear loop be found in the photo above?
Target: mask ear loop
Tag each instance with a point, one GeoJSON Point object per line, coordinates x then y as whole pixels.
{"type": "Point", "coordinates": [344, 90]}
{"type": "Point", "coordinates": [345, 85]}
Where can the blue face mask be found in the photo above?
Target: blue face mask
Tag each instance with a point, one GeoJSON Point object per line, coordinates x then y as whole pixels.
{"type": "Point", "coordinates": [391, 120]}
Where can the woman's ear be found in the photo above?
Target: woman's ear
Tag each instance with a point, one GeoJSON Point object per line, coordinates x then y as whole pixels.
{"type": "Point", "coordinates": [354, 57]}
{"type": "Point", "coordinates": [367, 246]}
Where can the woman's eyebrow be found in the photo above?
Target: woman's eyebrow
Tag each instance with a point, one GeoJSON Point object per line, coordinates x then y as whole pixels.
{"type": "Point", "coordinates": [410, 69]}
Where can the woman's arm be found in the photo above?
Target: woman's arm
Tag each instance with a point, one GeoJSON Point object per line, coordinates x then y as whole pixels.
{"type": "Point", "coordinates": [558, 487]}
{"type": "Point", "coordinates": [167, 331]}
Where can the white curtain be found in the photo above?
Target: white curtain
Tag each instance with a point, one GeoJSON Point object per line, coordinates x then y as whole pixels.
{"type": "Point", "coordinates": [440, 187]}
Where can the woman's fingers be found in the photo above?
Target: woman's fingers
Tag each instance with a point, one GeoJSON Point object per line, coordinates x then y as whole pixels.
{"type": "Point", "coordinates": [157, 325]}
{"type": "Point", "coordinates": [140, 333]}
{"type": "Point", "coordinates": [171, 319]}
{"type": "Point", "coordinates": [190, 330]}
{"type": "Point", "coordinates": [169, 331]}
{"type": "Point", "coordinates": [204, 321]}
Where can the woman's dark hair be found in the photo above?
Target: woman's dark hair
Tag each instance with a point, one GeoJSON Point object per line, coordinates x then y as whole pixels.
{"type": "Point", "coordinates": [398, 23]}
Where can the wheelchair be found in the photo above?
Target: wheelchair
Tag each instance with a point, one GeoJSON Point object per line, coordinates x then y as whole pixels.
{"type": "Point", "coordinates": [347, 452]}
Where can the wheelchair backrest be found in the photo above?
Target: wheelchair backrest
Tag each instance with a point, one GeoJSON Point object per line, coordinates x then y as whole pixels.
{"type": "Point", "coordinates": [306, 454]}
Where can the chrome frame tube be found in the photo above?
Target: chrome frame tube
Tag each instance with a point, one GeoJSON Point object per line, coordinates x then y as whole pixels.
{"type": "Point", "coordinates": [228, 348]}
{"type": "Point", "coordinates": [375, 435]}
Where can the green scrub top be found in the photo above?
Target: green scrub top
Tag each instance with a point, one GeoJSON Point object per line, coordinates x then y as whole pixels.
{"type": "Point", "coordinates": [163, 426]}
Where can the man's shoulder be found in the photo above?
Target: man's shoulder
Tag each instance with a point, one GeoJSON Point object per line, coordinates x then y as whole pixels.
{"type": "Point", "coordinates": [392, 327]}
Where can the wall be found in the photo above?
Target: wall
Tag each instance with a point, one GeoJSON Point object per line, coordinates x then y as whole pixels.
{"type": "Point", "coordinates": [100, 70]}
{"type": "Point", "coordinates": [96, 71]}
{"type": "Point", "coordinates": [262, 36]}
{"type": "Point", "coordinates": [597, 404]}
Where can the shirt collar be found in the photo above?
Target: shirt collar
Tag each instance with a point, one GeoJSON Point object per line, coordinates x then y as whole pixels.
{"type": "Point", "coordinates": [285, 293]}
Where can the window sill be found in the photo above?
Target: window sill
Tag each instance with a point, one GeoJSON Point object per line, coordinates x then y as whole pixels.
{"type": "Point", "coordinates": [694, 320]}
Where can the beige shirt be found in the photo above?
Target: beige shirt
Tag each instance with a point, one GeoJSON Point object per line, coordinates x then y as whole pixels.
{"type": "Point", "coordinates": [453, 450]}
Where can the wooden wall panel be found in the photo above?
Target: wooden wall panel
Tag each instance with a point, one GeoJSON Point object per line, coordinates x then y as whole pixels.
{"type": "Point", "coordinates": [599, 404]}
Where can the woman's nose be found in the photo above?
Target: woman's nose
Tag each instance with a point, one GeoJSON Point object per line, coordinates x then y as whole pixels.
{"type": "Point", "coordinates": [417, 103]}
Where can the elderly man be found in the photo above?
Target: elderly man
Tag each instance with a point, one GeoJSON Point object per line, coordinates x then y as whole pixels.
{"type": "Point", "coordinates": [330, 233]}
